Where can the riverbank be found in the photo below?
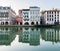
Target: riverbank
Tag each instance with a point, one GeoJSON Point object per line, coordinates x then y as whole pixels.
{"type": "Point", "coordinates": [48, 26]}
{"type": "Point", "coordinates": [17, 26]}
{"type": "Point", "coordinates": [29, 25]}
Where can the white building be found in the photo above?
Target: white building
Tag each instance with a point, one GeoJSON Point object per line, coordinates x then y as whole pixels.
{"type": "Point", "coordinates": [26, 16]}
{"type": "Point", "coordinates": [6, 14]}
{"type": "Point", "coordinates": [52, 16]}
{"type": "Point", "coordinates": [35, 15]}
{"type": "Point", "coordinates": [31, 16]}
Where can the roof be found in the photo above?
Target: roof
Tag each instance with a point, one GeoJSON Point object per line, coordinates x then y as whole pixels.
{"type": "Point", "coordinates": [34, 7]}
{"type": "Point", "coordinates": [52, 10]}
{"type": "Point", "coordinates": [26, 9]}
{"type": "Point", "coordinates": [6, 7]}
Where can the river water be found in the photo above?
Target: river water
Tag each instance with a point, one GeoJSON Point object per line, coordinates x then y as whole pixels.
{"type": "Point", "coordinates": [29, 39]}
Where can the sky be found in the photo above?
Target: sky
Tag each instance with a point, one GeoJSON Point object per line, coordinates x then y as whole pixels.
{"type": "Point", "coordinates": [23, 4]}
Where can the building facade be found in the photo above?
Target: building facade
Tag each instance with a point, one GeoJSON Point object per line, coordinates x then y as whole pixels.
{"type": "Point", "coordinates": [35, 15]}
{"type": "Point", "coordinates": [30, 16]}
{"type": "Point", "coordinates": [26, 16]}
{"type": "Point", "coordinates": [42, 19]}
{"type": "Point", "coordinates": [19, 18]}
{"type": "Point", "coordinates": [52, 17]}
{"type": "Point", "coordinates": [6, 15]}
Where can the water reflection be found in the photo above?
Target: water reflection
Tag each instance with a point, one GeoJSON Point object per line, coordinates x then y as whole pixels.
{"type": "Point", "coordinates": [30, 35]}
{"type": "Point", "coordinates": [51, 34]}
{"type": "Point", "coordinates": [7, 35]}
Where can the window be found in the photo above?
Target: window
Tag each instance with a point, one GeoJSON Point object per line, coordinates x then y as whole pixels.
{"type": "Point", "coordinates": [47, 15]}
{"type": "Point", "coordinates": [55, 13]}
{"type": "Point", "coordinates": [52, 12]}
{"type": "Point", "coordinates": [8, 7]}
{"type": "Point", "coordinates": [47, 19]}
{"type": "Point", "coordinates": [55, 17]}
{"type": "Point", "coordinates": [47, 12]}
{"type": "Point", "coordinates": [50, 19]}
{"type": "Point", "coordinates": [4, 8]}
{"type": "Point", "coordinates": [4, 14]}
{"type": "Point", "coordinates": [0, 7]}
{"type": "Point", "coordinates": [27, 16]}
{"type": "Point", "coordinates": [55, 20]}
{"type": "Point", "coordinates": [50, 15]}
{"type": "Point", "coordinates": [58, 12]}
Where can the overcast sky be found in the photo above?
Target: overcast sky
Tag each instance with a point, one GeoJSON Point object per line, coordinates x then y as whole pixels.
{"type": "Point", "coordinates": [21, 4]}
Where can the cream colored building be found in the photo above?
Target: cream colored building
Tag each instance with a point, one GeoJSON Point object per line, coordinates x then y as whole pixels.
{"type": "Point", "coordinates": [6, 15]}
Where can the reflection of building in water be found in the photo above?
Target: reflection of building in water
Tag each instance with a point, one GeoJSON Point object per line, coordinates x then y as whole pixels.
{"type": "Point", "coordinates": [6, 36]}
{"type": "Point", "coordinates": [35, 37]}
{"type": "Point", "coordinates": [19, 30]}
{"type": "Point", "coordinates": [30, 35]}
{"type": "Point", "coordinates": [25, 35]}
{"type": "Point", "coordinates": [52, 35]}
